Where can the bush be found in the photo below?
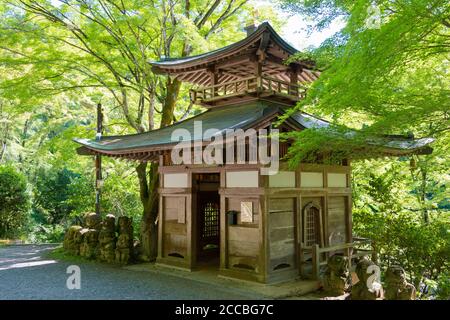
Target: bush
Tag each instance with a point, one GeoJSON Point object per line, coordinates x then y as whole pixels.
{"type": "Point", "coordinates": [46, 233]}
{"type": "Point", "coordinates": [406, 229]}
{"type": "Point", "coordinates": [436, 289]}
{"type": "Point", "coordinates": [14, 202]}
{"type": "Point", "coordinates": [120, 196]}
{"type": "Point", "coordinates": [51, 192]}
{"type": "Point", "coordinates": [422, 249]}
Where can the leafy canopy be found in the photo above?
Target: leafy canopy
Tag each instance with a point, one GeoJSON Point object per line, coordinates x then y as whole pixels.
{"type": "Point", "coordinates": [387, 68]}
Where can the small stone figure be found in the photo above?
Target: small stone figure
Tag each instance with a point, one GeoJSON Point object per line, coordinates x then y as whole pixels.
{"type": "Point", "coordinates": [69, 244]}
{"type": "Point", "coordinates": [78, 240]}
{"type": "Point", "coordinates": [92, 220]}
{"type": "Point", "coordinates": [107, 239]}
{"type": "Point", "coordinates": [364, 289]}
{"type": "Point", "coordinates": [89, 247]}
{"type": "Point", "coordinates": [396, 286]}
{"type": "Point", "coordinates": [337, 280]}
{"type": "Point", "coordinates": [124, 244]}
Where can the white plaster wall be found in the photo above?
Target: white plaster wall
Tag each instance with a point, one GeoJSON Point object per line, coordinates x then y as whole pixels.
{"type": "Point", "coordinates": [242, 179]}
{"type": "Point", "coordinates": [311, 179]}
{"type": "Point", "coordinates": [283, 179]}
{"type": "Point", "coordinates": [337, 180]}
{"type": "Point", "coordinates": [175, 180]}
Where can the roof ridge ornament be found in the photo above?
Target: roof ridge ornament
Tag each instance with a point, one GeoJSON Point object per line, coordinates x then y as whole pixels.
{"type": "Point", "coordinates": [250, 28]}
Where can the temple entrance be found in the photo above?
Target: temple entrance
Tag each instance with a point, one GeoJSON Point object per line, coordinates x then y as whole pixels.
{"type": "Point", "coordinates": [208, 218]}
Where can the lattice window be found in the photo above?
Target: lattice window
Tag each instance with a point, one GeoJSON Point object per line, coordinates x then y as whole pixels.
{"type": "Point", "coordinates": [311, 226]}
{"type": "Point", "coordinates": [312, 229]}
{"type": "Point", "coordinates": [211, 222]}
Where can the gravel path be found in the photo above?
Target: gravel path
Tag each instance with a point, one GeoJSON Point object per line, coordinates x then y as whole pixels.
{"type": "Point", "coordinates": [26, 273]}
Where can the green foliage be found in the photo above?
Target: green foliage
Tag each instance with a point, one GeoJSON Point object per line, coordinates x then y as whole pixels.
{"type": "Point", "coordinates": [392, 76]}
{"type": "Point", "coordinates": [14, 202]}
{"type": "Point", "coordinates": [120, 193]}
{"type": "Point", "coordinates": [46, 233]}
{"type": "Point", "coordinates": [443, 286]}
{"type": "Point", "coordinates": [51, 194]}
{"type": "Point", "coordinates": [388, 211]}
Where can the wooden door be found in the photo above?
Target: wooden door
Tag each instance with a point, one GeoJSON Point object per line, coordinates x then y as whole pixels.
{"type": "Point", "coordinates": [209, 220]}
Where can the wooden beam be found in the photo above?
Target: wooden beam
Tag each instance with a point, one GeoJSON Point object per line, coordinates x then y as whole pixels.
{"type": "Point", "coordinates": [261, 52]}
{"type": "Point", "coordinates": [197, 77]}
{"type": "Point", "coordinates": [203, 80]}
{"type": "Point", "coordinates": [246, 58]}
{"type": "Point", "coordinates": [293, 79]}
{"type": "Point", "coordinates": [190, 77]}
{"type": "Point", "coordinates": [308, 75]}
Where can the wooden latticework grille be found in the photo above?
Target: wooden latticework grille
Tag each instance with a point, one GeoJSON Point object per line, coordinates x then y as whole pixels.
{"type": "Point", "coordinates": [211, 220]}
{"type": "Point", "coordinates": [310, 227]}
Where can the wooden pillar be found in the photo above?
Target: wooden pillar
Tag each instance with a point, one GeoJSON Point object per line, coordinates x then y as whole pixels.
{"type": "Point", "coordinates": [293, 80]}
{"type": "Point", "coordinates": [315, 262]}
{"type": "Point", "coordinates": [161, 216]}
{"type": "Point", "coordinates": [223, 223]}
{"type": "Point", "coordinates": [98, 160]}
{"type": "Point", "coordinates": [258, 74]}
{"type": "Point", "coordinates": [214, 79]}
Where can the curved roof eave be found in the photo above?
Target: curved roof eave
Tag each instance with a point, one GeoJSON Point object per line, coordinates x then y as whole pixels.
{"type": "Point", "coordinates": [227, 50]}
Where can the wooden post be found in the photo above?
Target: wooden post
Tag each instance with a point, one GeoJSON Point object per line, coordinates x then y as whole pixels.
{"type": "Point", "coordinates": [349, 252]}
{"type": "Point", "coordinates": [293, 80]}
{"type": "Point", "coordinates": [214, 80]}
{"type": "Point", "coordinates": [315, 261]}
{"type": "Point", "coordinates": [98, 160]}
{"type": "Point", "coordinates": [301, 259]}
{"type": "Point", "coordinates": [258, 73]}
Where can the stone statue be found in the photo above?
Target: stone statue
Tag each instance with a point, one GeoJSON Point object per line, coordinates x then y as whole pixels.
{"type": "Point", "coordinates": [107, 239]}
{"type": "Point", "coordinates": [364, 289]}
{"type": "Point", "coordinates": [70, 245]}
{"type": "Point", "coordinates": [92, 220]}
{"type": "Point", "coordinates": [124, 244]}
{"type": "Point", "coordinates": [89, 246]}
{"type": "Point", "coordinates": [78, 240]}
{"type": "Point", "coordinates": [396, 286]}
{"type": "Point", "coordinates": [337, 280]}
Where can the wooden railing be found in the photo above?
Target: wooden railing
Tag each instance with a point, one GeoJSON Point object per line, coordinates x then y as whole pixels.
{"type": "Point", "coordinates": [319, 256]}
{"type": "Point", "coordinates": [247, 85]}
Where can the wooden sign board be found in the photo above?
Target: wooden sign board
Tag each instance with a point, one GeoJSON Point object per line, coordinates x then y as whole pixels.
{"type": "Point", "coordinates": [247, 211]}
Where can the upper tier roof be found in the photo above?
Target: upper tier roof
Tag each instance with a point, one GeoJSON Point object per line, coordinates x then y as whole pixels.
{"type": "Point", "coordinates": [237, 61]}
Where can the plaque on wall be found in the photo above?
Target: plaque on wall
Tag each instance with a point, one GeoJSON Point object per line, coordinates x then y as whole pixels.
{"type": "Point", "coordinates": [247, 212]}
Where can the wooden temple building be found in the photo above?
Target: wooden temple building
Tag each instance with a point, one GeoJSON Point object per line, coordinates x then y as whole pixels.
{"type": "Point", "coordinates": [264, 228]}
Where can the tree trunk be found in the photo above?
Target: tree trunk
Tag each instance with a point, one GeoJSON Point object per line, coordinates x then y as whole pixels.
{"type": "Point", "coordinates": [149, 197]}
{"type": "Point", "coordinates": [423, 194]}
{"type": "Point", "coordinates": [173, 89]}
{"type": "Point", "coordinates": [148, 182]}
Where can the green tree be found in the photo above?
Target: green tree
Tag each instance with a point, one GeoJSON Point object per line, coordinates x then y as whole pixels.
{"type": "Point", "coordinates": [101, 49]}
{"type": "Point", "coordinates": [387, 68]}
{"type": "Point", "coordinates": [14, 202]}
{"type": "Point", "coordinates": [388, 211]}
{"type": "Point", "coordinates": [52, 192]}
